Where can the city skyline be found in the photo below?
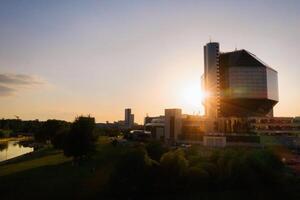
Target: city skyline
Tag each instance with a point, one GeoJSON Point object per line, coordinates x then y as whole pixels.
{"type": "Point", "coordinates": [59, 60]}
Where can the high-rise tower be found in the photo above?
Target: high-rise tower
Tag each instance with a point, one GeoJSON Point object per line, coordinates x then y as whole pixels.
{"type": "Point", "coordinates": [129, 118]}
{"type": "Point", "coordinates": [212, 79]}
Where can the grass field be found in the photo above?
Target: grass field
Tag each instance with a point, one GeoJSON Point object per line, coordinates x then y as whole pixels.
{"type": "Point", "coordinates": [49, 174]}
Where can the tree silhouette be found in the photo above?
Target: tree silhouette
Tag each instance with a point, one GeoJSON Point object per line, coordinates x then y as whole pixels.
{"type": "Point", "coordinates": [81, 139]}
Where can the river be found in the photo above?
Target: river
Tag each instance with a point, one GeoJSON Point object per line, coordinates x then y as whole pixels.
{"type": "Point", "coordinates": [12, 149]}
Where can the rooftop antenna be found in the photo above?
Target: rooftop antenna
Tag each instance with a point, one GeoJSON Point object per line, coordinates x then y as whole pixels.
{"type": "Point", "coordinates": [209, 39]}
{"type": "Point", "coordinates": [235, 47]}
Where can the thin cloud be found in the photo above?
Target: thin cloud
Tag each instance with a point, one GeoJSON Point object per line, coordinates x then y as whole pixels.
{"type": "Point", "coordinates": [11, 83]}
{"type": "Point", "coordinates": [18, 79]}
{"type": "Point", "coordinates": [6, 91]}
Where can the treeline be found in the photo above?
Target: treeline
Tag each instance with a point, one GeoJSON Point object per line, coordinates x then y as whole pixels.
{"type": "Point", "coordinates": [149, 172]}
{"type": "Point", "coordinates": [17, 126]}
{"type": "Point", "coordinates": [45, 130]}
{"type": "Point", "coordinates": [76, 139]}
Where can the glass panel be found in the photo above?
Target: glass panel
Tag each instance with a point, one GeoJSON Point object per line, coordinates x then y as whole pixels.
{"type": "Point", "coordinates": [248, 82]}
{"type": "Point", "coordinates": [272, 84]}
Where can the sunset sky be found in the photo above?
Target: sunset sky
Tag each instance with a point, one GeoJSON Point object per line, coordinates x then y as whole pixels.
{"type": "Point", "coordinates": [59, 59]}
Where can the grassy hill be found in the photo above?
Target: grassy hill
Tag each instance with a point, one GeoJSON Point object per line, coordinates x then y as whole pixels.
{"type": "Point", "coordinates": [49, 174]}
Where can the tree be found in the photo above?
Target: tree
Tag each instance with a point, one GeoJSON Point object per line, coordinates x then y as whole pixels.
{"type": "Point", "coordinates": [130, 177]}
{"type": "Point", "coordinates": [155, 150]}
{"type": "Point", "coordinates": [58, 140]}
{"type": "Point", "coordinates": [49, 129]}
{"type": "Point", "coordinates": [81, 139]}
{"type": "Point", "coordinates": [4, 133]}
{"type": "Point", "coordinates": [174, 163]}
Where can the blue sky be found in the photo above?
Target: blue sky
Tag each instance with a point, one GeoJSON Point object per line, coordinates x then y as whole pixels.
{"type": "Point", "coordinates": [98, 57]}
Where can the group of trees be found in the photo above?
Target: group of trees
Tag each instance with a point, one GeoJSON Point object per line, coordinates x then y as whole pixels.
{"type": "Point", "coordinates": [226, 174]}
{"type": "Point", "coordinates": [18, 126]}
{"type": "Point", "coordinates": [52, 130]}
{"type": "Point", "coordinates": [5, 133]}
{"type": "Point", "coordinates": [108, 131]}
{"type": "Point", "coordinates": [76, 139]}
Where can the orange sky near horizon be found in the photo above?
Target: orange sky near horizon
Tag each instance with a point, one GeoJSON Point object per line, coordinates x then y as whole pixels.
{"type": "Point", "coordinates": [61, 60]}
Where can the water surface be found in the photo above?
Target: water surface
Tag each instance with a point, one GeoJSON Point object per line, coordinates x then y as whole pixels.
{"type": "Point", "coordinates": [12, 149]}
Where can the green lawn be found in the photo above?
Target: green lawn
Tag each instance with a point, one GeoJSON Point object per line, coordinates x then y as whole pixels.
{"type": "Point", "coordinates": [49, 174]}
{"type": "Point", "coordinates": [50, 158]}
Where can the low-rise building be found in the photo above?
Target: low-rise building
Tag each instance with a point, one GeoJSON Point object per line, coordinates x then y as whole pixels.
{"type": "Point", "coordinates": [176, 127]}
{"type": "Point", "coordinates": [275, 125]}
{"type": "Point", "coordinates": [156, 125]}
{"type": "Point", "coordinates": [173, 125]}
{"type": "Point", "coordinates": [193, 127]}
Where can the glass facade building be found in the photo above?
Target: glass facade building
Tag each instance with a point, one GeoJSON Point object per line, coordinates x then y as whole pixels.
{"type": "Point", "coordinates": [253, 82]}
{"type": "Point", "coordinates": [247, 87]}
{"type": "Point", "coordinates": [247, 82]}
{"type": "Point", "coordinates": [272, 83]}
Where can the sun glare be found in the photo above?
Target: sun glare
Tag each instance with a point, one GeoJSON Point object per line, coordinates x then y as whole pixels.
{"type": "Point", "coordinates": [192, 98]}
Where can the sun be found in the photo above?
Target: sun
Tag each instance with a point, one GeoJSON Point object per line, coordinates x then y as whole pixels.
{"type": "Point", "coordinates": [192, 97]}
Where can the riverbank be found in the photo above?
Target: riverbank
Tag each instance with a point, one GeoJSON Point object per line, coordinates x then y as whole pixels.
{"type": "Point", "coordinates": [48, 174]}
{"type": "Point", "coordinates": [22, 138]}
{"type": "Point", "coordinates": [13, 148]}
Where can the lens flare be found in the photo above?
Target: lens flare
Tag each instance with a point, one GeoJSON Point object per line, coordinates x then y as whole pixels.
{"type": "Point", "coordinates": [192, 97]}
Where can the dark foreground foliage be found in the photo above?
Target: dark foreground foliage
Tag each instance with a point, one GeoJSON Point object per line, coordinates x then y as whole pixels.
{"type": "Point", "coordinates": [150, 171]}
{"type": "Point", "coordinates": [225, 174]}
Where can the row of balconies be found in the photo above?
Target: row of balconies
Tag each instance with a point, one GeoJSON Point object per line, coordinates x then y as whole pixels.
{"type": "Point", "coordinates": [280, 128]}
